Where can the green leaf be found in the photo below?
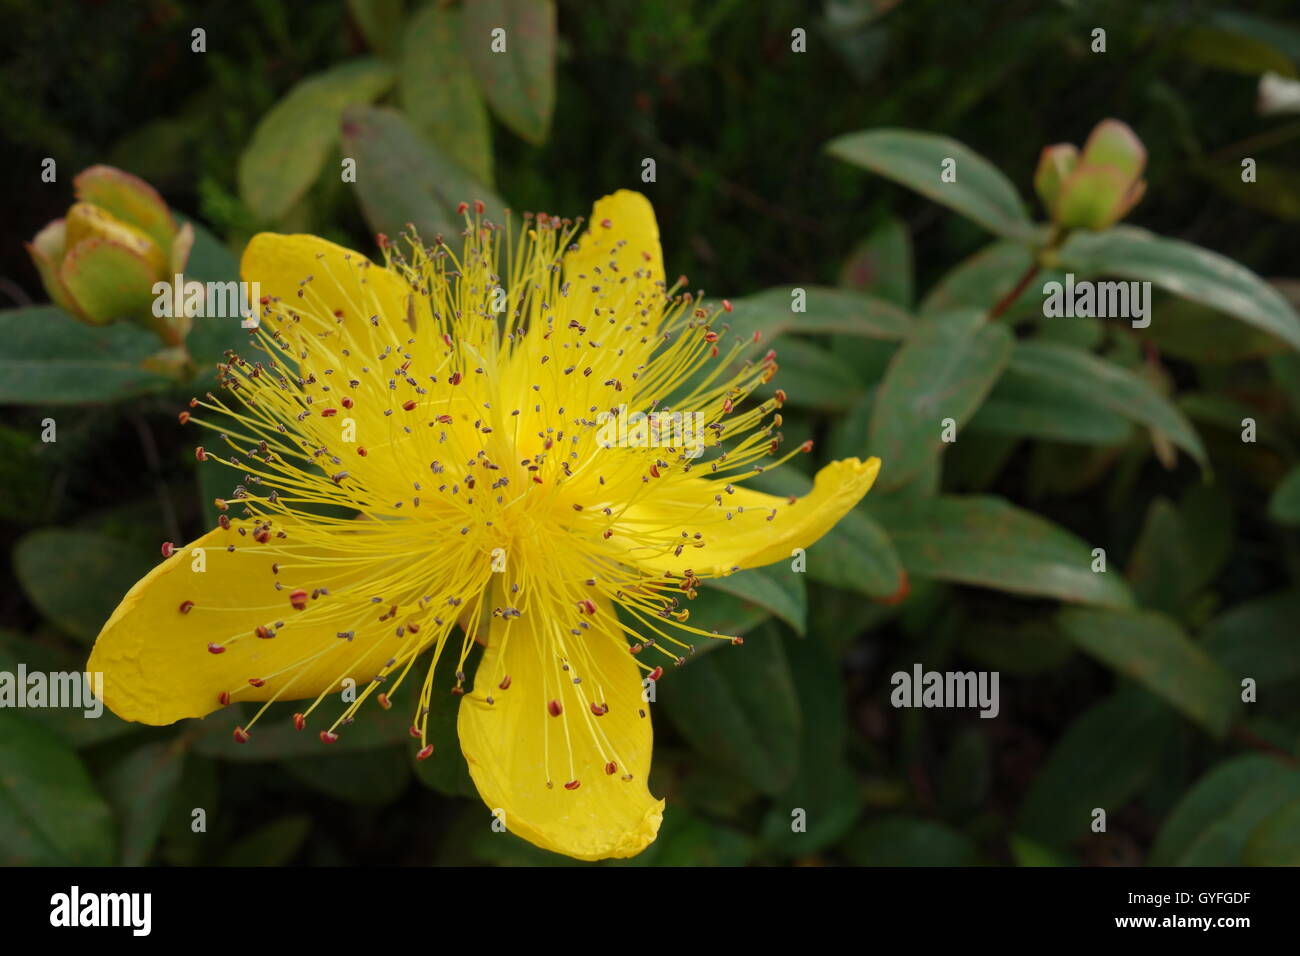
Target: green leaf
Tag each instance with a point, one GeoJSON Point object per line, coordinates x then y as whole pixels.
{"type": "Point", "coordinates": [1152, 650]}
{"type": "Point", "coordinates": [916, 160]}
{"type": "Point", "coordinates": [77, 578]}
{"type": "Point", "coordinates": [775, 588]}
{"type": "Point", "coordinates": [1103, 760]}
{"type": "Point", "coordinates": [1091, 380]}
{"type": "Point", "coordinates": [1224, 838]}
{"type": "Point", "coordinates": [881, 265]}
{"type": "Point", "coordinates": [813, 377]}
{"type": "Point", "coordinates": [1212, 800]}
{"type": "Point", "coordinates": [48, 358]}
{"type": "Point", "coordinates": [985, 541]}
{"type": "Point", "coordinates": [293, 141]}
{"type": "Point", "coordinates": [437, 91]}
{"type": "Point", "coordinates": [402, 177]}
{"type": "Point", "coordinates": [50, 814]}
{"type": "Point", "coordinates": [380, 22]}
{"type": "Point", "coordinates": [141, 787]}
{"type": "Point", "coordinates": [272, 845]}
{"type": "Point", "coordinates": [1257, 640]}
{"type": "Point", "coordinates": [1284, 505]}
{"type": "Point", "coordinates": [944, 370]}
{"type": "Point", "coordinates": [370, 778]}
{"type": "Point", "coordinates": [823, 788]}
{"type": "Point", "coordinates": [1161, 569]}
{"type": "Point", "coordinates": [1185, 270]}
{"type": "Point", "coordinates": [771, 313]}
{"type": "Point", "coordinates": [519, 81]}
{"type": "Point", "coordinates": [1276, 841]}
{"type": "Point", "coordinates": [1027, 406]}
{"type": "Point", "coordinates": [740, 708]}
{"type": "Point", "coordinates": [909, 841]}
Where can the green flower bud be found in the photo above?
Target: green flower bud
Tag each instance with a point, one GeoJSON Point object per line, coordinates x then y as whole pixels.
{"type": "Point", "coordinates": [101, 261]}
{"type": "Point", "coordinates": [1100, 186]}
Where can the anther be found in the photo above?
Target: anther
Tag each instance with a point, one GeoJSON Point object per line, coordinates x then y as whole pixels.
{"type": "Point", "coordinates": [299, 721]}
{"type": "Point", "coordinates": [298, 599]}
{"type": "Point", "coordinates": [186, 607]}
{"type": "Point", "coordinates": [328, 738]}
{"type": "Point", "coordinates": [425, 752]}
{"type": "Point", "coordinates": [216, 649]}
{"type": "Point", "coordinates": [241, 735]}
{"type": "Point", "coordinates": [555, 708]}
{"type": "Point", "coordinates": [572, 785]}
{"type": "Point", "coordinates": [168, 549]}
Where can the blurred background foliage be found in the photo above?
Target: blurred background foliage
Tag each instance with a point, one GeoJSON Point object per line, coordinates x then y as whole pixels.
{"type": "Point", "coordinates": [1118, 690]}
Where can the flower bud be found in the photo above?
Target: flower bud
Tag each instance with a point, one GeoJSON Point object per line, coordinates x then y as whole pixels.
{"type": "Point", "coordinates": [101, 261]}
{"type": "Point", "coordinates": [1098, 187]}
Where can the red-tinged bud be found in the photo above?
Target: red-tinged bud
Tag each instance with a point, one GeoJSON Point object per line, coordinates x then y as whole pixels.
{"type": "Point", "coordinates": [216, 649]}
{"type": "Point", "coordinates": [555, 708]}
{"type": "Point", "coordinates": [326, 737]}
{"type": "Point", "coordinates": [183, 418]}
{"type": "Point", "coordinates": [168, 549]}
{"type": "Point", "coordinates": [241, 735]}
{"type": "Point", "coordinates": [186, 607]}
{"type": "Point", "coordinates": [425, 752]}
{"type": "Point", "coordinates": [574, 784]}
{"type": "Point", "coordinates": [298, 599]}
{"type": "Point", "coordinates": [299, 721]}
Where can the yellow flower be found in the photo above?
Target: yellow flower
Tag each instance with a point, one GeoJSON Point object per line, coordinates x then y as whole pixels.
{"type": "Point", "coordinates": [461, 402]}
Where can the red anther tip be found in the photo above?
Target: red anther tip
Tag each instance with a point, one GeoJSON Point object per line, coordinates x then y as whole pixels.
{"type": "Point", "coordinates": [194, 403]}
{"type": "Point", "coordinates": [737, 641]}
{"type": "Point", "coordinates": [607, 224]}
{"type": "Point", "coordinates": [345, 401]}
{"type": "Point", "coordinates": [462, 208]}
{"type": "Point", "coordinates": [455, 379]}
{"type": "Point", "coordinates": [361, 450]}
{"type": "Point", "coordinates": [444, 419]}
{"type": "Point", "coordinates": [806, 446]}
{"type": "Point", "coordinates": [458, 691]}
{"type": "Point", "coordinates": [414, 731]}
{"type": "Point", "coordinates": [299, 721]}
{"type": "Point", "coordinates": [186, 607]}
{"type": "Point", "coordinates": [168, 549]}
{"type": "Point", "coordinates": [655, 674]}
{"type": "Point", "coordinates": [600, 710]}
{"type": "Point", "coordinates": [505, 683]}
{"type": "Point", "coordinates": [587, 606]}
{"type": "Point", "coordinates": [726, 305]}
{"type": "Point", "coordinates": [408, 405]}
{"type": "Point", "coordinates": [298, 599]}
{"type": "Point", "coordinates": [572, 785]}
{"type": "Point", "coordinates": [256, 681]}
{"type": "Point", "coordinates": [328, 412]}
{"type": "Point", "coordinates": [328, 738]}
{"type": "Point", "coordinates": [382, 240]}
{"type": "Point", "coordinates": [216, 649]}
{"type": "Point", "coordinates": [654, 471]}
{"type": "Point", "coordinates": [384, 702]}
{"type": "Point", "coordinates": [183, 417]}
{"type": "Point", "coordinates": [555, 708]}
{"type": "Point", "coordinates": [611, 767]}
{"type": "Point", "coordinates": [200, 454]}
{"type": "Point", "coordinates": [425, 752]}
{"type": "Point", "coordinates": [479, 207]}
{"type": "Point", "coordinates": [241, 735]}
{"type": "Point", "coordinates": [710, 336]}
{"type": "Point", "coordinates": [224, 698]}
{"type": "Point", "coordinates": [607, 534]}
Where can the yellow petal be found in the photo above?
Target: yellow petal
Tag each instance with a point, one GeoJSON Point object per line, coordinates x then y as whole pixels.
{"type": "Point", "coordinates": [748, 539]}
{"type": "Point", "coordinates": [621, 233]}
{"type": "Point", "coordinates": [155, 659]}
{"type": "Point", "coordinates": [515, 747]}
{"type": "Point", "coordinates": [344, 285]}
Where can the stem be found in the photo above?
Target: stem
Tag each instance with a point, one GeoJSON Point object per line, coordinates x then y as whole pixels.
{"type": "Point", "coordinates": [1005, 302]}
